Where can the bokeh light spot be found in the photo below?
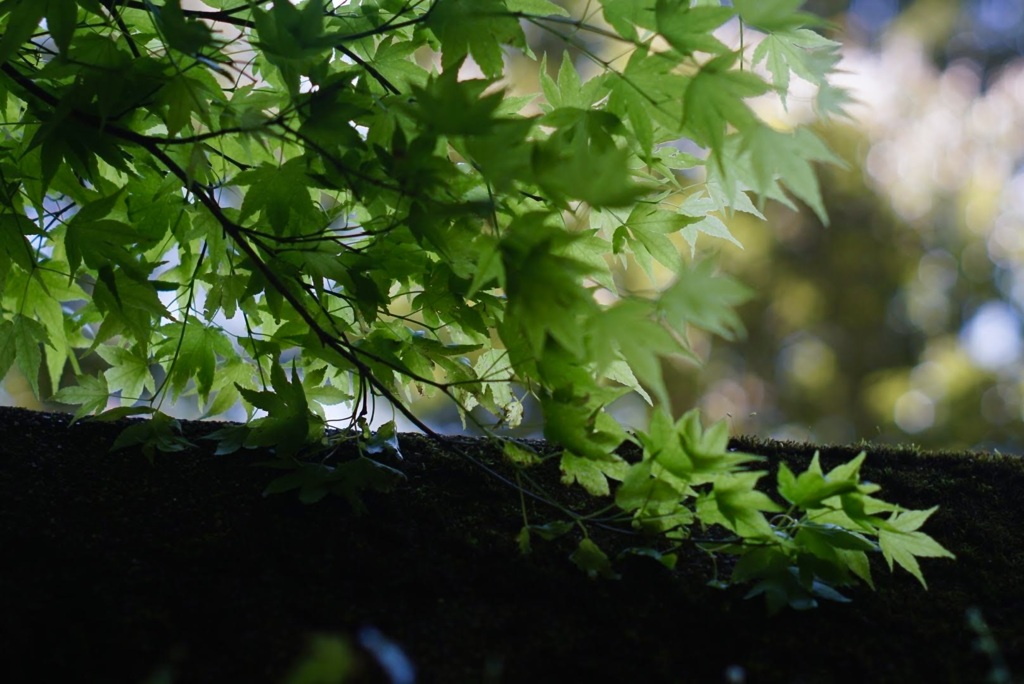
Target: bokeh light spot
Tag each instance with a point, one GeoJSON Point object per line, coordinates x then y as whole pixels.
{"type": "Point", "coordinates": [992, 337]}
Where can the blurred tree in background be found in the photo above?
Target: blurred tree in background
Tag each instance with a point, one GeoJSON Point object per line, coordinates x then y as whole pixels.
{"type": "Point", "coordinates": [902, 320]}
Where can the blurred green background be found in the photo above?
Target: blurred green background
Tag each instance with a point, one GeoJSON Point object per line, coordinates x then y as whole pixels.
{"type": "Point", "coordinates": [901, 321]}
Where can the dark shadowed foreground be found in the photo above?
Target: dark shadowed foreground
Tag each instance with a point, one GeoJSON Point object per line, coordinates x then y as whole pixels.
{"type": "Point", "coordinates": [115, 570]}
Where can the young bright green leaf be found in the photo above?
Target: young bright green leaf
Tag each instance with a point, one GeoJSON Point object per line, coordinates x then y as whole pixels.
{"type": "Point", "coordinates": [804, 52]}
{"type": "Point", "coordinates": [787, 157]}
{"type": "Point", "coordinates": [91, 394]}
{"type": "Point", "coordinates": [810, 489]}
{"type": "Point", "coordinates": [129, 373]}
{"type": "Point", "coordinates": [290, 426]}
{"type": "Point", "coordinates": [620, 372]}
{"type": "Point", "coordinates": [519, 455]}
{"type": "Point", "coordinates": [194, 355]}
{"type": "Point", "coordinates": [228, 378]}
{"type": "Point", "coordinates": [383, 439]}
{"type": "Point", "coordinates": [648, 229]}
{"type": "Point", "coordinates": [183, 96]}
{"type": "Point", "coordinates": [579, 166]}
{"type": "Point", "coordinates": [656, 502]}
{"type": "Point", "coordinates": [592, 474]}
{"type": "Point", "coordinates": [545, 293]}
{"type": "Point", "coordinates": [825, 539]}
{"type": "Point", "coordinates": [857, 563]}
{"type": "Point", "coordinates": [568, 90]}
{"type": "Point", "coordinates": [735, 503]}
{"type": "Point", "coordinates": [8, 347]}
{"type": "Point", "coordinates": [902, 543]}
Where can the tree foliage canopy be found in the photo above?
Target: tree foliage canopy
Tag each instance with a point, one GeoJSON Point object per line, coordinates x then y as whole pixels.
{"type": "Point", "coordinates": [294, 205]}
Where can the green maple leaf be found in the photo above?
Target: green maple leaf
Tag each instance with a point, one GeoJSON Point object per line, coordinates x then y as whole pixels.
{"type": "Point", "coordinates": [280, 193]}
{"type": "Point", "coordinates": [832, 101]}
{"type": "Point", "coordinates": [20, 340]}
{"type": "Point", "coordinates": [630, 329]}
{"type": "Point", "coordinates": [14, 246]}
{"type": "Point", "coordinates": [580, 424]}
{"type": "Point", "coordinates": [228, 378]}
{"type": "Point", "coordinates": [450, 106]}
{"type": "Point", "coordinates": [647, 230]}
{"type": "Point", "coordinates": [811, 488]}
{"type": "Point", "coordinates": [474, 27]}
{"type": "Point", "coordinates": [289, 425]}
{"type": "Point", "coordinates": [196, 348]}
{"type": "Point", "coordinates": [787, 157]}
{"type": "Point", "coordinates": [657, 502]}
{"type": "Point", "coordinates": [689, 29]}
{"type": "Point", "coordinates": [61, 21]}
{"type": "Point", "coordinates": [159, 433]}
{"type": "Point", "coordinates": [129, 373]}
{"type": "Point", "coordinates": [626, 15]}
{"type": "Point", "coordinates": [902, 543]}
{"type": "Point", "coordinates": [715, 98]}
{"type": "Point", "coordinates": [698, 207]}
{"type": "Point", "coordinates": [8, 347]}
{"type": "Point", "coordinates": [545, 291]}
{"type": "Point", "coordinates": [568, 90]}
{"type": "Point", "coordinates": [184, 95]}
{"type": "Point", "coordinates": [736, 504]}
{"type": "Point", "coordinates": [592, 474]}
{"type": "Point", "coordinates": [90, 394]}
{"type": "Point", "coordinates": [102, 243]}
{"type": "Point", "coordinates": [651, 87]}
{"type": "Point", "coordinates": [581, 160]}
{"type": "Point", "coordinates": [129, 302]}
{"type": "Point", "coordinates": [802, 51]}
{"type": "Point", "coordinates": [700, 455]}
{"type": "Point", "coordinates": [291, 38]}
{"type": "Point", "coordinates": [706, 300]}
{"type": "Point", "coordinates": [183, 34]}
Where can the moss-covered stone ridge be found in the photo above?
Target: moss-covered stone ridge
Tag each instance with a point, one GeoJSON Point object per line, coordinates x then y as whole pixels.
{"type": "Point", "coordinates": [122, 569]}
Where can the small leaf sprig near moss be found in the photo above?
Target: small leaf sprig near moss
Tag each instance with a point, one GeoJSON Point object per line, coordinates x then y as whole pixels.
{"type": "Point", "coordinates": [793, 554]}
